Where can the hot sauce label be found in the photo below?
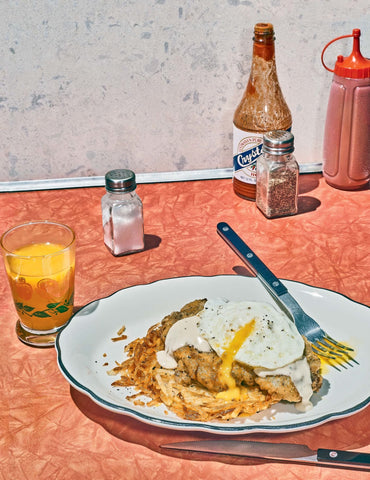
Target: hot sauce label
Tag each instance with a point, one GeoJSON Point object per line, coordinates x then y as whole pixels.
{"type": "Point", "coordinates": [247, 147]}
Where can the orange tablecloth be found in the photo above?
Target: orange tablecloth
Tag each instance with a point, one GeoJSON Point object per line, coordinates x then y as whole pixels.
{"type": "Point", "coordinates": [49, 430]}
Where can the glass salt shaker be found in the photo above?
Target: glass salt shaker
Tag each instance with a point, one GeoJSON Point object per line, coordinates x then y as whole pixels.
{"type": "Point", "coordinates": [277, 175]}
{"type": "Point", "coordinates": [122, 212]}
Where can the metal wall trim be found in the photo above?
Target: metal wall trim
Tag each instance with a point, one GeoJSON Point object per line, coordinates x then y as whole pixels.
{"type": "Point", "coordinates": [153, 177]}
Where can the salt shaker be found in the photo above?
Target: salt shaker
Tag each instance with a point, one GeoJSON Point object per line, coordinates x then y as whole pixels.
{"type": "Point", "coordinates": [277, 175]}
{"type": "Point", "coordinates": [122, 212]}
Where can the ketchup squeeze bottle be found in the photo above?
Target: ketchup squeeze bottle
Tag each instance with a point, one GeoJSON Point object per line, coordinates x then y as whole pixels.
{"type": "Point", "coordinates": [346, 151]}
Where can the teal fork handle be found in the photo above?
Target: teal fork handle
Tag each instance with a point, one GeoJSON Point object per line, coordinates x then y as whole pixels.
{"type": "Point", "coordinates": [250, 258]}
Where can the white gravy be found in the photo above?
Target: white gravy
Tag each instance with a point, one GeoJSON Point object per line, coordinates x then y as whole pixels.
{"type": "Point", "coordinates": [183, 332]}
{"type": "Point", "coordinates": [299, 372]}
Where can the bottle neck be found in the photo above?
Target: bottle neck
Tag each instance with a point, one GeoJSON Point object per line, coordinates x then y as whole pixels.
{"type": "Point", "coordinates": [264, 47]}
{"type": "Point", "coordinates": [263, 69]}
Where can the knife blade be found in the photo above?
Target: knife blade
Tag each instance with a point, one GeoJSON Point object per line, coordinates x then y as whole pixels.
{"type": "Point", "coordinates": [289, 452]}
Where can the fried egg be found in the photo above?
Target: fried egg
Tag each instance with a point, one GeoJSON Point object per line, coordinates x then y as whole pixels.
{"type": "Point", "coordinates": [253, 333]}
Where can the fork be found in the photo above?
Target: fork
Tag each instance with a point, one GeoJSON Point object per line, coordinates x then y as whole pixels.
{"type": "Point", "coordinates": [334, 353]}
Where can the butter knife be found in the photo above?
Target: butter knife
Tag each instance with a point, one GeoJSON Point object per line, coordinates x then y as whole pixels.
{"type": "Point", "coordinates": [287, 452]}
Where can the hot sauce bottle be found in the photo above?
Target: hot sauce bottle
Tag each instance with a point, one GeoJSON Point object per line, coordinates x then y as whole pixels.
{"type": "Point", "coordinates": [262, 109]}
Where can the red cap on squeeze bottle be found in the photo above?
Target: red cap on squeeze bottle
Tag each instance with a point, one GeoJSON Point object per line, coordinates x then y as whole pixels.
{"type": "Point", "coordinates": [353, 66]}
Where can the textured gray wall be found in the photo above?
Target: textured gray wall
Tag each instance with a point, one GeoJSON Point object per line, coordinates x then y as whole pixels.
{"type": "Point", "coordinates": [86, 86]}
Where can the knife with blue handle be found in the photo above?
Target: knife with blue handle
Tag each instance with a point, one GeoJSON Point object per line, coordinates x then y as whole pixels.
{"type": "Point", "coordinates": [288, 452]}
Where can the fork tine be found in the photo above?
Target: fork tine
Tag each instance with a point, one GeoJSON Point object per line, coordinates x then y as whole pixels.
{"type": "Point", "coordinates": [328, 347]}
{"type": "Point", "coordinates": [338, 344]}
{"type": "Point", "coordinates": [352, 359]}
{"type": "Point", "coordinates": [328, 351]}
{"type": "Point", "coordinates": [332, 348]}
{"type": "Point", "coordinates": [331, 363]}
{"type": "Point", "coordinates": [321, 351]}
{"type": "Point", "coordinates": [342, 349]}
{"type": "Point", "coordinates": [324, 354]}
{"type": "Point", "coordinates": [329, 359]}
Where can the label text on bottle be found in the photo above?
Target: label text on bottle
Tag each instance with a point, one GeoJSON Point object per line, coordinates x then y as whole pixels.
{"type": "Point", "coordinates": [247, 147]}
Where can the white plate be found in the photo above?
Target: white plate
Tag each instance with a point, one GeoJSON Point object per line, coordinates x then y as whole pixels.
{"type": "Point", "coordinates": [84, 345]}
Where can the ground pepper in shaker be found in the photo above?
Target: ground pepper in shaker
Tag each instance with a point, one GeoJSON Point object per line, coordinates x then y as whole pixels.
{"type": "Point", "coordinates": [277, 175]}
{"type": "Point", "coordinates": [122, 212]}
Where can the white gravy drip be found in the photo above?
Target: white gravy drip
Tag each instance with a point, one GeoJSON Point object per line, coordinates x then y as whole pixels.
{"type": "Point", "coordinates": [183, 332]}
{"type": "Point", "coordinates": [300, 374]}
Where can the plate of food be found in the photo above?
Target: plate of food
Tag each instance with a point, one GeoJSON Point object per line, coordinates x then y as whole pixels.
{"type": "Point", "coordinates": [215, 354]}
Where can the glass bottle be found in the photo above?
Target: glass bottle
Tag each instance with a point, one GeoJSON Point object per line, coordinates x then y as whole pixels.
{"type": "Point", "coordinates": [277, 176]}
{"type": "Point", "coordinates": [122, 212]}
{"type": "Point", "coordinates": [261, 109]}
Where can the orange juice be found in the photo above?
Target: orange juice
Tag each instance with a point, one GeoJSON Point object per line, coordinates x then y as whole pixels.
{"type": "Point", "coordinates": [41, 277]}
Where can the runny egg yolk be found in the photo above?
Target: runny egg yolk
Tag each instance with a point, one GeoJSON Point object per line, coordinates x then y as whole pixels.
{"type": "Point", "coordinates": [224, 374]}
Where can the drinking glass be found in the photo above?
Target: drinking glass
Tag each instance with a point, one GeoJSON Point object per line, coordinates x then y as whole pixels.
{"type": "Point", "coordinates": [39, 260]}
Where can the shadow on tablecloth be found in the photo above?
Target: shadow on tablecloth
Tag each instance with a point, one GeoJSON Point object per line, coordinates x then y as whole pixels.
{"type": "Point", "coordinates": [346, 434]}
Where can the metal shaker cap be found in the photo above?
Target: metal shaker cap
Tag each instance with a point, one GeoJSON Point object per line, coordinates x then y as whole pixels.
{"type": "Point", "coordinates": [278, 142]}
{"type": "Point", "coordinates": [120, 180]}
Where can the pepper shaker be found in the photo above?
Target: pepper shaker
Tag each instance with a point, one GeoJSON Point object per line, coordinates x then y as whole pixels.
{"type": "Point", "coordinates": [122, 212]}
{"type": "Point", "coordinates": [277, 175]}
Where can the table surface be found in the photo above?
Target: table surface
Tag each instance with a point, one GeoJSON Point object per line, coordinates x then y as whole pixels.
{"type": "Point", "coordinates": [50, 430]}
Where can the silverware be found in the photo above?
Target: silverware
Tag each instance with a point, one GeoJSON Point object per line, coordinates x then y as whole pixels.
{"type": "Point", "coordinates": [324, 345]}
{"type": "Point", "coordinates": [287, 452]}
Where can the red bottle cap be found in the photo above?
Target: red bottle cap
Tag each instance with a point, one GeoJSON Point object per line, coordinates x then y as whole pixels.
{"type": "Point", "coordinates": [354, 66]}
